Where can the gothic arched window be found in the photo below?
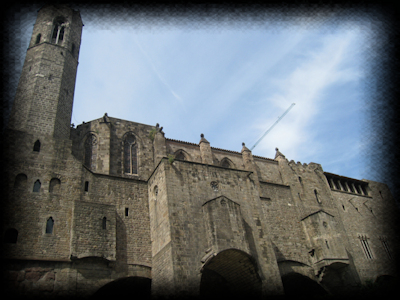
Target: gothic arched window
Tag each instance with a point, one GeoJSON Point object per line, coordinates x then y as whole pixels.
{"type": "Point", "coordinates": [180, 156]}
{"type": "Point", "coordinates": [130, 154]}
{"type": "Point", "coordinates": [58, 32]}
{"type": "Point", "coordinates": [90, 152]}
{"type": "Point", "coordinates": [49, 225]}
{"type": "Point", "coordinates": [225, 163]}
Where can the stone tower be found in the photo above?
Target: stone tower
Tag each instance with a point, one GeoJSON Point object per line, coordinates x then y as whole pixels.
{"type": "Point", "coordinates": [44, 97]}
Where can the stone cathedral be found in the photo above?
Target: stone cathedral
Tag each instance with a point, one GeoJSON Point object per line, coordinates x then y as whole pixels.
{"type": "Point", "coordinates": [113, 206]}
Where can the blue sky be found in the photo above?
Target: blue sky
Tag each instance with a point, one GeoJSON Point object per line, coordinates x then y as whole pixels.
{"type": "Point", "coordinates": [232, 82]}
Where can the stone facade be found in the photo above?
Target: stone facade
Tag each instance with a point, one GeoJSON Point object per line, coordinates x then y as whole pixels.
{"type": "Point", "coordinates": [114, 205]}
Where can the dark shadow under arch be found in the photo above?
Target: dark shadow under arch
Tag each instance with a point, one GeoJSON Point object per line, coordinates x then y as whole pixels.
{"type": "Point", "coordinates": [134, 287]}
{"type": "Point", "coordinates": [297, 285]}
{"type": "Point", "coordinates": [231, 273]}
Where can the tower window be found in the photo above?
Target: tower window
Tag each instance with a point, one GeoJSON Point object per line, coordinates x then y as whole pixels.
{"type": "Point", "coordinates": [126, 211]}
{"type": "Point", "coordinates": [86, 186]}
{"type": "Point", "coordinates": [49, 225]}
{"type": "Point", "coordinates": [11, 236]}
{"type": "Point", "coordinates": [20, 181]}
{"type": "Point", "coordinates": [38, 38]}
{"type": "Point", "coordinates": [104, 223]}
{"type": "Point", "coordinates": [130, 154]}
{"type": "Point", "coordinates": [36, 186]}
{"type": "Point", "coordinates": [36, 146]}
{"type": "Point", "coordinates": [58, 32]}
{"type": "Point", "coordinates": [54, 186]}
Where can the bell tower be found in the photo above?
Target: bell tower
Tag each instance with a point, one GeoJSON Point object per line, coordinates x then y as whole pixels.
{"type": "Point", "coordinates": [44, 97]}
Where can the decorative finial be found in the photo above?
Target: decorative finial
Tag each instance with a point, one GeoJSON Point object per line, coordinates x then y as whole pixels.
{"type": "Point", "coordinates": [243, 144]}
{"type": "Point", "coordinates": [202, 135]}
{"type": "Point", "coordinates": [276, 149]}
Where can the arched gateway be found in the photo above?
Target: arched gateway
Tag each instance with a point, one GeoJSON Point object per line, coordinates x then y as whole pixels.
{"type": "Point", "coordinates": [230, 273]}
{"type": "Point", "coordinates": [133, 287]}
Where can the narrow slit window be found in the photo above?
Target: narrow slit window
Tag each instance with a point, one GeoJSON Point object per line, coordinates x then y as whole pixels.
{"type": "Point", "coordinates": [366, 247]}
{"type": "Point", "coordinates": [126, 211]}
{"type": "Point", "coordinates": [86, 186]}
{"type": "Point", "coordinates": [36, 146]}
{"type": "Point", "coordinates": [38, 38]}
{"type": "Point", "coordinates": [386, 247]}
{"type": "Point", "coordinates": [104, 223]}
{"type": "Point", "coordinates": [49, 225]}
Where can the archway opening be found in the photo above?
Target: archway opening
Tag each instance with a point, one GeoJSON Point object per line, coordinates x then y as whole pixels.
{"type": "Point", "coordinates": [297, 285]}
{"type": "Point", "coordinates": [231, 273]}
{"type": "Point", "coordinates": [129, 287]}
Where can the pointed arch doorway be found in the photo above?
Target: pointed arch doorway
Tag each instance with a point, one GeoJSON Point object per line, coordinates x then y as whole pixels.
{"type": "Point", "coordinates": [230, 273]}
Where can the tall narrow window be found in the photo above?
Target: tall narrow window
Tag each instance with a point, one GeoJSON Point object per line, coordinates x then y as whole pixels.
{"type": "Point", "coordinates": [386, 247]}
{"type": "Point", "coordinates": [86, 186]}
{"type": "Point", "coordinates": [58, 32]}
{"type": "Point", "coordinates": [36, 186]}
{"type": "Point", "coordinates": [126, 211]}
{"type": "Point", "coordinates": [54, 186]}
{"type": "Point", "coordinates": [20, 181]}
{"type": "Point", "coordinates": [38, 38]}
{"type": "Point", "coordinates": [49, 225]}
{"type": "Point", "coordinates": [11, 236]}
{"type": "Point", "coordinates": [366, 247]}
{"type": "Point", "coordinates": [90, 152]}
{"type": "Point", "coordinates": [36, 146]}
{"type": "Point", "coordinates": [104, 223]}
{"type": "Point", "coordinates": [130, 154]}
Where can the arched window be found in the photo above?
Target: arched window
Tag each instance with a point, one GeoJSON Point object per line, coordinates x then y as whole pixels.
{"type": "Point", "coordinates": [49, 225]}
{"type": "Point", "coordinates": [104, 223]}
{"type": "Point", "coordinates": [54, 186]}
{"type": "Point", "coordinates": [180, 156]}
{"type": "Point", "coordinates": [36, 146]}
{"type": "Point", "coordinates": [36, 186]}
{"type": "Point", "coordinates": [225, 163]}
{"type": "Point", "coordinates": [90, 151]}
{"type": "Point", "coordinates": [11, 236]}
{"type": "Point", "coordinates": [38, 38]}
{"type": "Point", "coordinates": [130, 154]}
{"type": "Point", "coordinates": [58, 32]}
{"type": "Point", "coordinates": [20, 181]}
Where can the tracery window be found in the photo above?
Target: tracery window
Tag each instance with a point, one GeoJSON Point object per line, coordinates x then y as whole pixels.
{"type": "Point", "coordinates": [130, 154]}
{"type": "Point", "coordinates": [179, 155]}
{"type": "Point", "coordinates": [58, 32]}
{"type": "Point", "coordinates": [225, 163]}
{"type": "Point", "coordinates": [90, 151]}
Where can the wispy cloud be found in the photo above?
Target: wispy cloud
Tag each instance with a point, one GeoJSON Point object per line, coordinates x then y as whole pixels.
{"type": "Point", "coordinates": [162, 79]}
{"type": "Point", "coordinates": [305, 85]}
